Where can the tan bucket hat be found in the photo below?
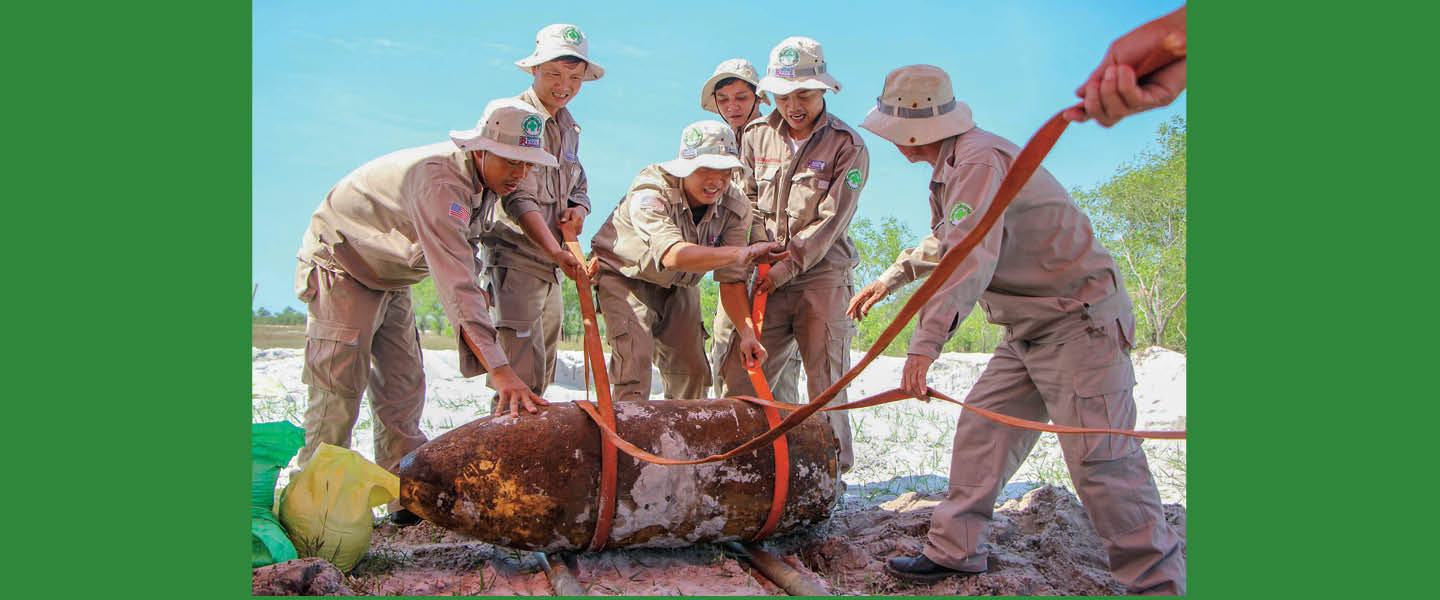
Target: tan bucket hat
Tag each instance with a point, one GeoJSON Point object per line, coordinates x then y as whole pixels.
{"type": "Point", "coordinates": [555, 41]}
{"type": "Point", "coordinates": [917, 107]}
{"type": "Point", "coordinates": [797, 63]}
{"type": "Point", "coordinates": [709, 144]}
{"type": "Point", "coordinates": [738, 68]}
{"type": "Point", "coordinates": [510, 128]}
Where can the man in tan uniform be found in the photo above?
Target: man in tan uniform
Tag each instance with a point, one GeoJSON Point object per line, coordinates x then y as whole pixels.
{"type": "Point", "coordinates": [385, 227]}
{"type": "Point", "coordinates": [521, 239]}
{"type": "Point", "coordinates": [680, 219]}
{"type": "Point", "coordinates": [1068, 324]}
{"type": "Point", "coordinates": [809, 169]}
{"type": "Point", "coordinates": [731, 92]}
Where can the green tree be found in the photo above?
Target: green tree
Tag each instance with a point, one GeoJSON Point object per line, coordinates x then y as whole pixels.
{"type": "Point", "coordinates": [709, 304]}
{"type": "Point", "coordinates": [1139, 214]}
{"type": "Point", "coordinates": [879, 245]}
{"type": "Point", "coordinates": [290, 316]}
{"type": "Point", "coordinates": [429, 312]}
{"type": "Point", "coordinates": [572, 325]}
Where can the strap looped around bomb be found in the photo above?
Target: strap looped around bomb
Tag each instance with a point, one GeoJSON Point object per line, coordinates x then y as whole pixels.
{"type": "Point", "coordinates": [606, 412]}
{"type": "Point", "coordinates": [772, 417]}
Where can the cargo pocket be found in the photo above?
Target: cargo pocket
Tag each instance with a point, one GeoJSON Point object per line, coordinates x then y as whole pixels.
{"type": "Point", "coordinates": [839, 332]}
{"type": "Point", "coordinates": [518, 329]}
{"type": "Point", "coordinates": [332, 357]}
{"type": "Point", "coordinates": [1103, 400]}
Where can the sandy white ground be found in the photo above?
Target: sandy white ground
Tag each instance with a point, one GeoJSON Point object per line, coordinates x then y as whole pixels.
{"type": "Point", "coordinates": [904, 446]}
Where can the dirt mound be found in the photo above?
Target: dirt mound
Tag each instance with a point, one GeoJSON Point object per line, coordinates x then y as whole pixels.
{"type": "Point", "coordinates": [1042, 544]}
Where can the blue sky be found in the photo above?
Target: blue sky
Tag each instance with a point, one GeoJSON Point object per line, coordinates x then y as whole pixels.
{"type": "Point", "coordinates": [336, 84]}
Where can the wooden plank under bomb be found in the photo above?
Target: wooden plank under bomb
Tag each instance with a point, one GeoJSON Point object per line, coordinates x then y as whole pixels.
{"type": "Point", "coordinates": [531, 482]}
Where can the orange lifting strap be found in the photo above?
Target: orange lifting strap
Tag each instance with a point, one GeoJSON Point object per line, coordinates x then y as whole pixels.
{"type": "Point", "coordinates": [595, 359]}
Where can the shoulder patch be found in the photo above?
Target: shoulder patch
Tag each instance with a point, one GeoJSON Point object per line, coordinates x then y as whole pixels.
{"type": "Point", "coordinates": [652, 204]}
{"type": "Point", "coordinates": [854, 178]}
{"type": "Point", "coordinates": [958, 212]}
{"type": "Point", "coordinates": [460, 212]}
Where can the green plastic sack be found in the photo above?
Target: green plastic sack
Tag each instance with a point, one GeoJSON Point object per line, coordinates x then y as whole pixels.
{"type": "Point", "coordinates": [326, 506]}
{"type": "Point", "coordinates": [272, 445]}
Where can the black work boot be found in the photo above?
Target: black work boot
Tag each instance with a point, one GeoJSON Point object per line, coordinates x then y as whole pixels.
{"type": "Point", "coordinates": [920, 569]}
{"type": "Point", "coordinates": [404, 518]}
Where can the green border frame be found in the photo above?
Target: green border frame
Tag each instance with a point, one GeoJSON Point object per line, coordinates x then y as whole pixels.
{"type": "Point", "coordinates": [137, 117]}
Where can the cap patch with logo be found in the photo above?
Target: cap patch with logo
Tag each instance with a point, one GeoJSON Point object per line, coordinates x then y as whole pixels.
{"type": "Point", "coordinates": [531, 125]}
{"type": "Point", "coordinates": [959, 212]}
{"type": "Point", "coordinates": [571, 35]}
{"type": "Point", "coordinates": [691, 138]}
{"type": "Point", "coordinates": [530, 141]}
{"type": "Point", "coordinates": [854, 178]}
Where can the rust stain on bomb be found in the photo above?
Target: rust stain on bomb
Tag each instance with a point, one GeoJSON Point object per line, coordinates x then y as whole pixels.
{"type": "Point", "coordinates": [531, 482]}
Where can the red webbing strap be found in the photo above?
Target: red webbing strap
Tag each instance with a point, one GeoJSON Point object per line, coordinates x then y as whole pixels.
{"type": "Point", "coordinates": [595, 358]}
{"type": "Point", "coordinates": [1020, 172]}
{"type": "Point", "coordinates": [772, 416]}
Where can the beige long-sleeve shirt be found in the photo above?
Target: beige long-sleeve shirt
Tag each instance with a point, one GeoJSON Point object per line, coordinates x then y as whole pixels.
{"type": "Point", "coordinates": [806, 198]}
{"type": "Point", "coordinates": [654, 216]}
{"type": "Point", "coordinates": [1040, 272]}
{"type": "Point", "coordinates": [547, 190]}
{"type": "Point", "coordinates": [405, 216]}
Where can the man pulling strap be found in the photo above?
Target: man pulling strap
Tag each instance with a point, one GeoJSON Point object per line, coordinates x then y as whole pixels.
{"type": "Point", "coordinates": [680, 219]}
{"type": "Point", "coordinates": [522, 250]}
{"type": "Point", "coordinates": [1069, 327]}
{"type": "Point", "coordinates": [731, 92]}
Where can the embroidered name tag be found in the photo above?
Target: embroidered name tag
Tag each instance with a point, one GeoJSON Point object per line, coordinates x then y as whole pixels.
{"type": "Point", "coordinates": [569, 156]}
{"type": "Point", "coordinates": [815, 164]}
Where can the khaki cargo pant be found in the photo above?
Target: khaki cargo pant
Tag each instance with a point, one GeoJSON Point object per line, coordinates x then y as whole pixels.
{"type": "Point", "coordinates": [359, 338]}
{"type": "Point", "coordinates": [528, 313]}
{"type": "Point", "coordinates": [645, 322]}
{"type": "Point", "coordinates": [813, 321]}
{"type": "Point", "coordinates": [785, 387]}
{"type": "Point", "coordinates": [1085, 382]}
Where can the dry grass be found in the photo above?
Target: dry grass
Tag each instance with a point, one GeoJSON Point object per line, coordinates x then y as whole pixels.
{"type": "Point", "coordinates": [293, 336]}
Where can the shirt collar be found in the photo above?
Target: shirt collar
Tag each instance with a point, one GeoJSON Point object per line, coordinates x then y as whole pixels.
{"type": "Point", "coordinates": [533, 100]}
{"type": "Point", "coordinates": [942, 162]}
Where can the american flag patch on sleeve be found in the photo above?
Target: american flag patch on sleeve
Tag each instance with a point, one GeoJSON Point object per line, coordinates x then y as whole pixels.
{"type": "Point", "coordinates": [461, 213]}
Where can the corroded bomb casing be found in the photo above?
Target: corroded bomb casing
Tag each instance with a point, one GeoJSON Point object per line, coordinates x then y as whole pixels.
{"type": "Point", "coordinates": [532, 482]}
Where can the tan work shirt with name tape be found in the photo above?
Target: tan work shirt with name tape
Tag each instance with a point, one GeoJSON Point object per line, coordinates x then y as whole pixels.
{"type": "Point", "coordinates": [806, 198]}
{"type": "Point", "coordinates": [654, 216]}
{"type": "Point", "coordinates": [546, 190]}
{"type": "Point", "coordinates": [1041, 273]}
{"type": "Point", "coordinates": [405, 216]}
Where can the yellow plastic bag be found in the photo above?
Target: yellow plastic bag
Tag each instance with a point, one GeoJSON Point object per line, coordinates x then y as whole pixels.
{"type": "Point", "coordinates": [326, 506]}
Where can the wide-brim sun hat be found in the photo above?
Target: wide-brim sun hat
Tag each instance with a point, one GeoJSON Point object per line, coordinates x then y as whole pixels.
{"type": "Point", "coordinates": [555, 41]}
{"type": "Point", "coordinates": [738, 68]}
{"type": "Point", "coordinates": [708, 144]}
{"type": "Point", "coordinates": [511, 129]}
{"type": "Point", "coordinates": [797, 63]}
{"type": "Point", "coordinates": [917, 106]}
